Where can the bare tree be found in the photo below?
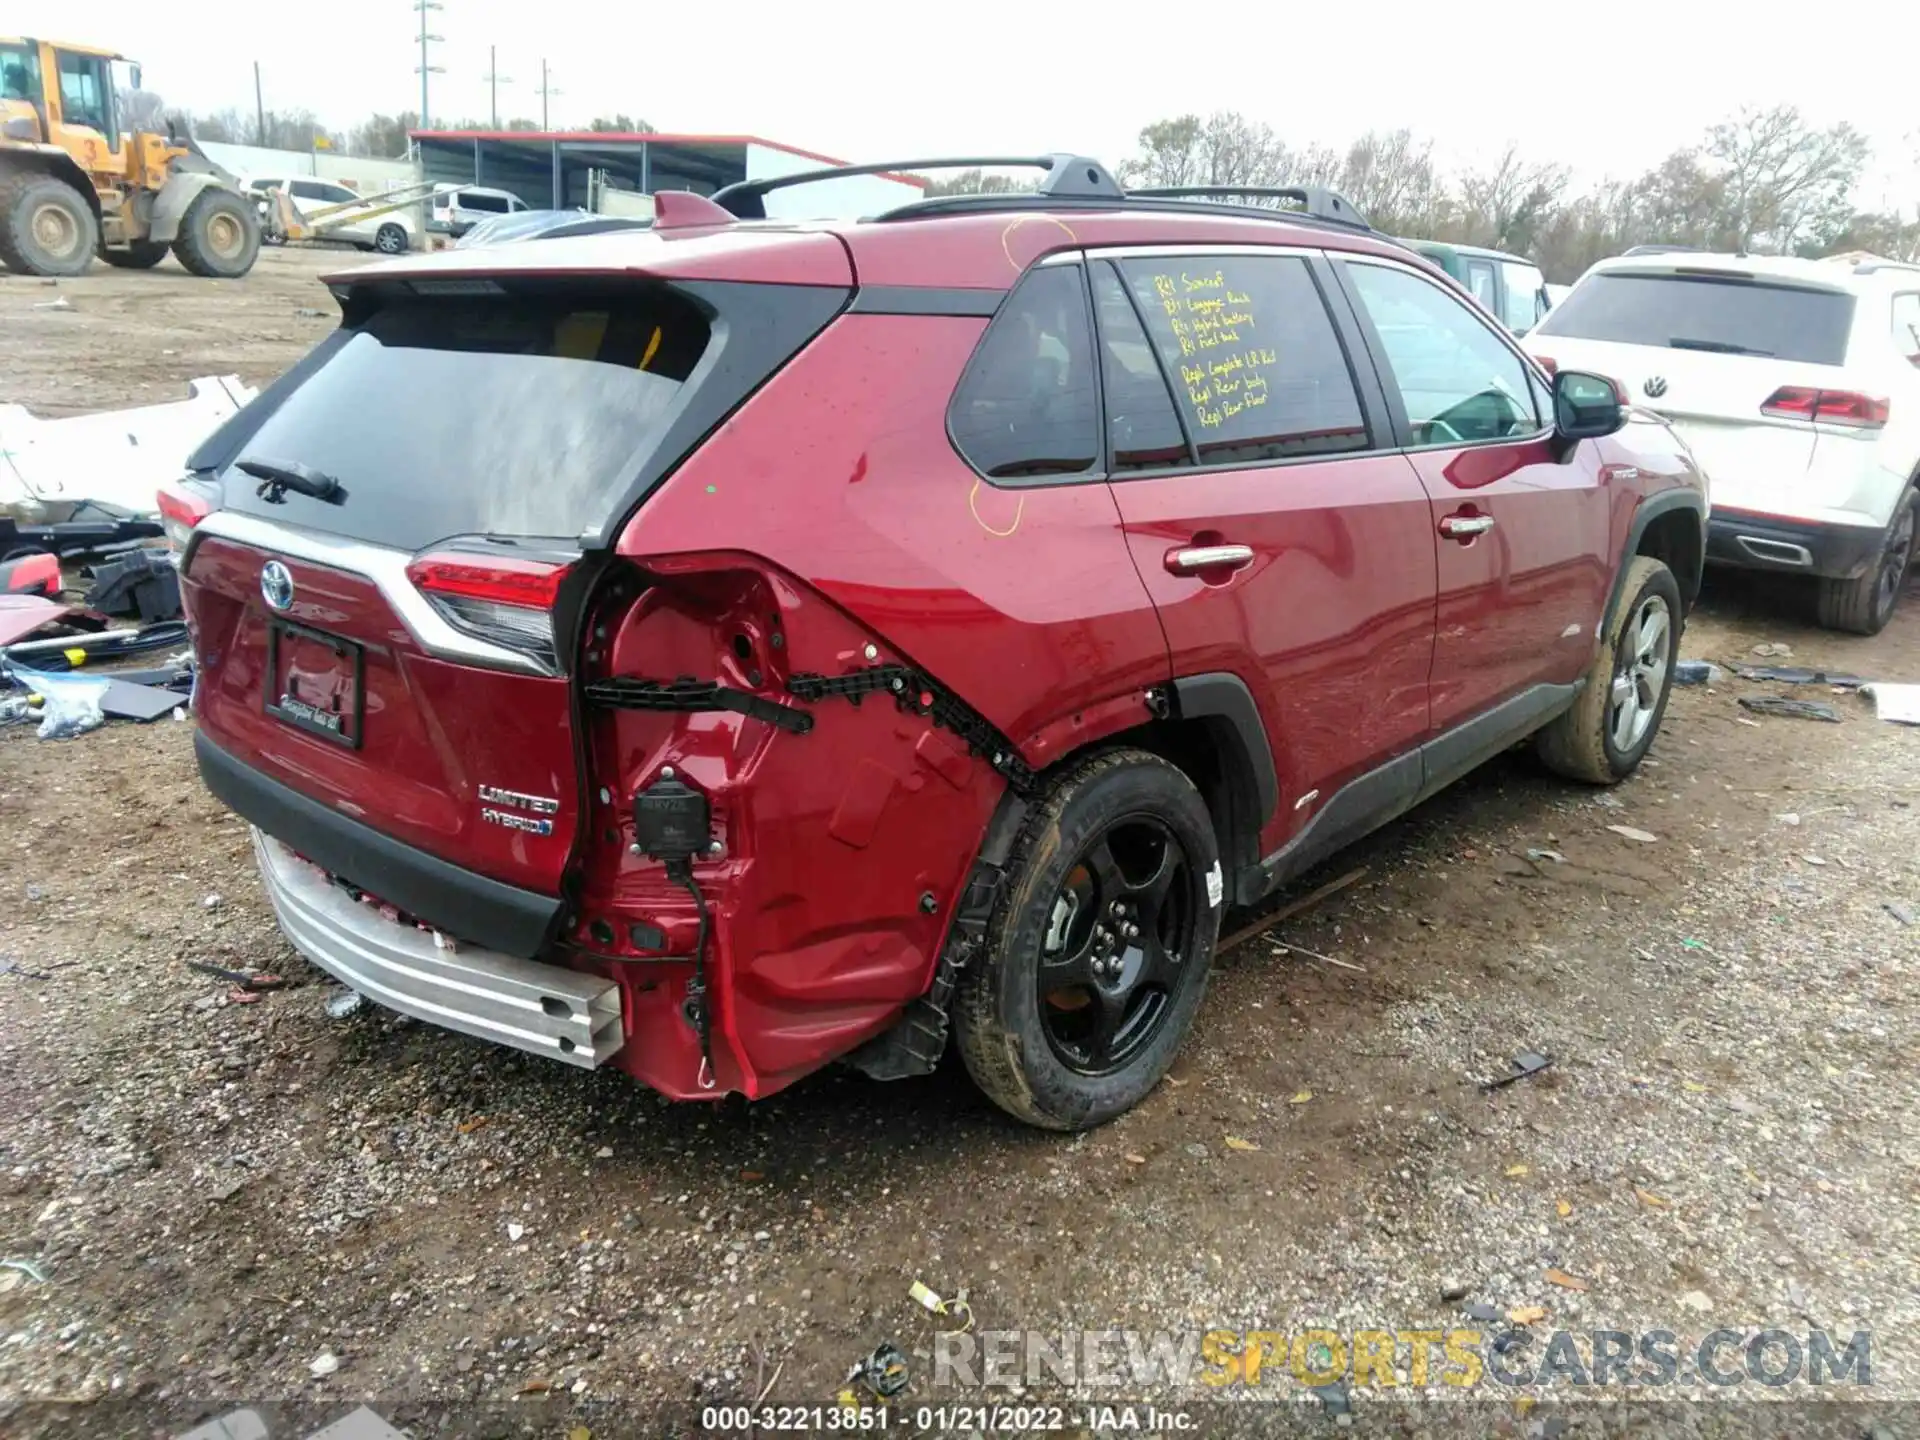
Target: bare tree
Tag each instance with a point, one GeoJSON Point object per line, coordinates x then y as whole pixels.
{"type": "Point", "coordinates": [1785, 181]}
{"type": "Point", "coordinates": [978, 182]}
{"type": "Point", "coordinates": [1390, 178]}
{"type": "Point", "coordinates": [382, 137]}
{"type": "Point", "coordinates": [1506, 204]}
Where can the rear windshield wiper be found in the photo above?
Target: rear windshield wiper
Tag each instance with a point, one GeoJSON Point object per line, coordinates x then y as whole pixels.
{"type": "Point", "coordinates": [1718, 347]}
{"type": "Point", "coordinates": [276, 477]}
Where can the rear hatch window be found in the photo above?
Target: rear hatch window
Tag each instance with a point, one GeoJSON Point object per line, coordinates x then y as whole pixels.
{"type": "Point", "coordinates": [1717, 314]}
{"type": "Point", "coordinates": [481, 414]}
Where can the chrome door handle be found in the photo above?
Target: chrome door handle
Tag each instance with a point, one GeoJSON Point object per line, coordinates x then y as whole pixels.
{"type": "Point", "coordinates": [1209, 557]}
{"type": "Point", "coordinates": [1465, 527]}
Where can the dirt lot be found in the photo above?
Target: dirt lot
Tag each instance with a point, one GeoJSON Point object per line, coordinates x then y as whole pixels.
{"type": "Point", "coordinates": [219, 1195]}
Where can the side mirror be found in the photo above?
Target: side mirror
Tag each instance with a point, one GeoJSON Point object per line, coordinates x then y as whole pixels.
{"type": "Point", "coordinates": [136, 79]}
{"type": "Point", "coordinates": [1586, 407]}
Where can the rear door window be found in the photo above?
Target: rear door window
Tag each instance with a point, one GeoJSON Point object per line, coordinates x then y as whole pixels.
{"type": "Point", "coordinates": [1523, 307]}
{"type": "Point", "coordinates": [507, 414]}
{"type": "Point", "coordinates": [1027, 407]}
{"type": "Point", "coordinates": [1724, 314]}
{"type": "Point", "coordinates": [491, 204]}
{"type": "Point", "coordinates": [1257, 368]}
{"type": "Point", "coordinates": [1482, 285]}
{"type": "Point", "coordinates": [1143, 428]}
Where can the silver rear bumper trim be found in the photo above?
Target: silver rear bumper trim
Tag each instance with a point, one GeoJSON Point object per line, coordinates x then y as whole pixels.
{"type": "Point", "coordinates": [1777, 552]}
{"type": "Point", "coordinates": [562, 1014]}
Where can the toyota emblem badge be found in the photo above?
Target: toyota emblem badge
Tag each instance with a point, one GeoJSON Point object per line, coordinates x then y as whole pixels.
{"type": "Point", "coordinates": [1655, 387]}
{"type": "Point", "coordinates": [276, 585]}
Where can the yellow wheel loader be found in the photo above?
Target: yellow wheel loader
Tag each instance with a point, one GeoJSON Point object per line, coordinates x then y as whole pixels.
{"type": "Point", "coordinates": [72, 186]}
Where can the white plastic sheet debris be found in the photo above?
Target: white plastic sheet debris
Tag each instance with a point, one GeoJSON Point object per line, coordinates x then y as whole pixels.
{"type": "Point", "coordinates": [107, 465]}
{"type": "Point", "coordinates": [1898, 703]}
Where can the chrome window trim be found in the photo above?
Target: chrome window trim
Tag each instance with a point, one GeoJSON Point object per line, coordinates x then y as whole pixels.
{"type": "Point", "coordinates": [385, 568]}
{"type": "Point", "coordinates": [1168, 252]}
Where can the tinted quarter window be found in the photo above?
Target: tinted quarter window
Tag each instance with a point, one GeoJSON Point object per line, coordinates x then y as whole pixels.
{"type": "Point", "coordinates": [491, 204]}
{"type": "Point", "coordinates": [1258, 370]}
{"type": "Point", "coordinates": [522, 415]}
{"type": "Point", "coordinates": [1459, 383]}
{"type": "Point", "coordinates": [1729, 315]}
{"type": "Point", "coordinates": [1143, 430]}
{"type": "Point", "coordinates": [1026, 406]}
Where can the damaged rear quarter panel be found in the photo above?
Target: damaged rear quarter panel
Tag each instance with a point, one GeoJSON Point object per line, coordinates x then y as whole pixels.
{"type": "Point", "coordinates": [844, 850]}
{"type": "Point", "coordinates": [837, 483]}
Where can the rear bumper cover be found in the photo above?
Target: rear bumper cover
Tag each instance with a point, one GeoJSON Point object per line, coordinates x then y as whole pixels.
{"type": "Point", "coordinates": [511, 921]}
{"type": "Point", "coordinates": [563, 1014]}
{"type": "Point", "coordinates": [1806, 547]}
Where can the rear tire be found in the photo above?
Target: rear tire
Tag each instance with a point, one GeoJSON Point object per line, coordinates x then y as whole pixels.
{"type": "Point", "coordinates": [391, 239]}
{"type": "Point", "coordinates": [219, 235]}
{"type": "Point", "coordinates": [140, 255]}
{"type": "Point", "coordinates": [1610, 728]}
{"type": "Point", "coordinates": [1863, 606]}
{"type": "Point", "coordinates": [1097, 957]}
{"type": "Point", "coordinates": [46, 226]}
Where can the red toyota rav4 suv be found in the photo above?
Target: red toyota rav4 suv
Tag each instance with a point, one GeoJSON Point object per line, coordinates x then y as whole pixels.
{"type": "Point", "coordinates": [722, 649]}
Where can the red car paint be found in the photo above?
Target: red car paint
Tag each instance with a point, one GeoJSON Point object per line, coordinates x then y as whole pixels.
{"type": "Point", "coordinates": [828, 524]}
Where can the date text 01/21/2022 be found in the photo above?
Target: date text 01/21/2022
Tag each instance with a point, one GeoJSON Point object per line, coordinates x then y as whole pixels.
{"type": "Point", "coordinates": [940, 1419]}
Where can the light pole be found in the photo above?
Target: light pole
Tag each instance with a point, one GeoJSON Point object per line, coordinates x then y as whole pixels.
{"type": "Point", "coordinates": [424, 69]}
{"type": "Point", "coordinates": [494, 78]}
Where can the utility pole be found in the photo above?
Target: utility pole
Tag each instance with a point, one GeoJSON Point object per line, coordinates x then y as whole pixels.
{"type": "Point", "coordinates": [259, 107]}
{"type": "Point", "coordinates": [547, 90]}
{"type": "Point", "coordinates": [423, 69]}
{"type": "Point", "coordinates": [494, 80]}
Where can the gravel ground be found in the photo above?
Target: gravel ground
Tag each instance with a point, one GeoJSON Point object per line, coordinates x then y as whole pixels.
{"type": "Point", "coordinates": [219, 1195]}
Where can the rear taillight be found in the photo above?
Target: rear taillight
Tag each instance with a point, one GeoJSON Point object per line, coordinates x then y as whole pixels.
{"type": "Point", "coordinates": [180, 510]}
{"type": "Point", "coordinates": [1547, 363]}
{"type": "Point", "coordinates": [507, 600]}
{"type": "Point", "coordinates": [1827, 407]}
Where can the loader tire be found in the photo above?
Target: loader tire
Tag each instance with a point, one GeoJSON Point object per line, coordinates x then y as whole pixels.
{"type": "Point", "coordinates": [140, 255]}
{"type": "Point", "coordinates": [219, 235]}
{"type": "Point", "coordinates": [46, 226]}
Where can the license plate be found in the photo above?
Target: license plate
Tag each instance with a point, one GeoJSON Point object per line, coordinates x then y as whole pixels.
{"type": "Point", "coordinates": [315, 682]}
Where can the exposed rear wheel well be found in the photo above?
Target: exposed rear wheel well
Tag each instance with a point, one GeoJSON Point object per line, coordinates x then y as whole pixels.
{"type": "Point", "coordinates": [1674, 540]}
{"type": "Point", "coordinates": [1209, 751]}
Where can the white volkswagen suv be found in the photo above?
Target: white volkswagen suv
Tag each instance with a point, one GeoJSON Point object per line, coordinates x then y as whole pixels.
{"type": "Point", "coordinates": [1796, 383]}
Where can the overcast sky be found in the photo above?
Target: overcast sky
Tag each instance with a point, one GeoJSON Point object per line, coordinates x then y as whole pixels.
{"type": "Point", "coordinates": [1604, 87]}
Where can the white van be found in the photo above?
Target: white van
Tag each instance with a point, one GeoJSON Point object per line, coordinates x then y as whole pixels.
{"type": "Point", "coordinates": [457, 209]}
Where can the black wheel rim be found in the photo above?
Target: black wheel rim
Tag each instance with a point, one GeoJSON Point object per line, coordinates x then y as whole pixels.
{"type": "Point", "coordinates": [1117, 951]}
{"type": "Point", "coordinates": [1894, 560]}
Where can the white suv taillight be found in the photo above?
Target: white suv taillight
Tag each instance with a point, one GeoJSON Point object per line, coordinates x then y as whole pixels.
{"type": "Point", "coordinates": [181, 508]}
{"type": "Point", "coordinates": [1828, 407]}
{"type": "Point", "coordinates": [506, 600]}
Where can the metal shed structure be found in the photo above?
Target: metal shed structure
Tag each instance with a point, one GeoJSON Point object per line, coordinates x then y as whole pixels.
{"type": "Point", "coordinates": [565, 170]}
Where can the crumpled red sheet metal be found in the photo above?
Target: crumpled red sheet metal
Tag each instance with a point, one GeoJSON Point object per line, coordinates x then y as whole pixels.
{"type": "Point", "coordinates": [21, 615]}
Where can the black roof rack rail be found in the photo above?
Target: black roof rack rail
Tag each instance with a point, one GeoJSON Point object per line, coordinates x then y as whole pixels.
{"type": "Point", "coordinates": [1070, 181]}
{"type": "Point", "coordinates": [1314, 200]}
{"type": "Point", "coordinates": [1068, 176]}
